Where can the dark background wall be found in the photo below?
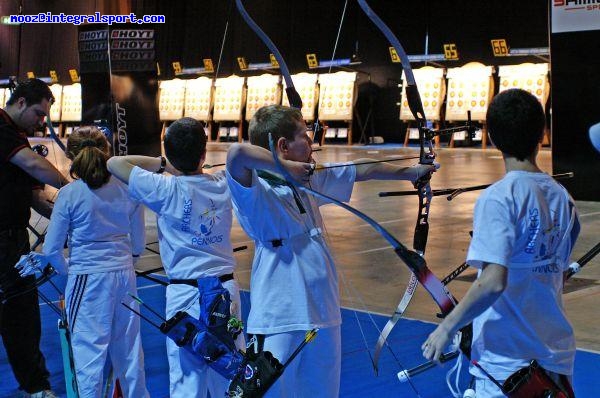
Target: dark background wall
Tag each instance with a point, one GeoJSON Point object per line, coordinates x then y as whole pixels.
{"type": "Point", "coordinates": [194, 30]}
{"type": "Point", "coordinates": [575, 107]}
{"type": "Point", "coordinates": [310, 26]}
{"type": "Point", "coordinates": [42, 47]}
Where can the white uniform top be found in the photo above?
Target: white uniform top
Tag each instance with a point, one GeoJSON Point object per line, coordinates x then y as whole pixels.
{"type": "Point", "coordinates": [104, 227]}
{"type": "Point", "coordinates": [293, 286]}
{"type": "Point", "coordinates": [527, 223]}
{"type": "Point", "coordinates": [194, 221]}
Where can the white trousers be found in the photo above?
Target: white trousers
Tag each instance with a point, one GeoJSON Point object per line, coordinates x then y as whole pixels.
{"type": "Point", "coordinates": [190, 376]}
{"type": "Point", "coordinates": [485, 388]}
{"type": "Point", "coordinates": [100, 325]}
{"type": "Point", "coordinates": [315, 372]}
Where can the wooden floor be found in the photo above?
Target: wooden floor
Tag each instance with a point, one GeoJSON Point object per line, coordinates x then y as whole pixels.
{"type": "Point", "coordinates": [372, 277]}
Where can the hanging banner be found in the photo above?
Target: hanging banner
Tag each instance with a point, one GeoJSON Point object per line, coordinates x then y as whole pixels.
{"type": "Point", "coordinates": [119, 85]}
{"type": "Point", "coordinates": [575, 15]}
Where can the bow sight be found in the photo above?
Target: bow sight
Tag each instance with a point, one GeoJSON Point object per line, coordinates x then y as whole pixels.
{"type": "Point", "coordinates": [429, 134]}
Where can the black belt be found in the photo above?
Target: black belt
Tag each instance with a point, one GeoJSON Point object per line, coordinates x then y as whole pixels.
{"type": "Point", "coordinates": [279, 242]}
{"type": "Point", "coordinates": [194, 282]}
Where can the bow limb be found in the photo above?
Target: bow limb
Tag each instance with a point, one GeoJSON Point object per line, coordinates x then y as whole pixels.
{"type": "Point", "coordinates": [54, 135]}
{"type": "Point", "coordinates": [402, 306]}
{"type": "Point", "coordinates": [292, 94]}
{"type": "Point", "coordinates": [411, 287]}
{"type": "Point", "coordinates": [412, 92]}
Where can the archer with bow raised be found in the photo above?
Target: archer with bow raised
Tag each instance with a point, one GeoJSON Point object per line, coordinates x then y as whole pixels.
{"type": "Point", "coordinates": [524, 229]}
{"type": "Point", "coordinates": [294, 286]}
{"type": "Point", "coordinates": [22, 175]}
{"type": "Point", "coordinates": [194, 220]}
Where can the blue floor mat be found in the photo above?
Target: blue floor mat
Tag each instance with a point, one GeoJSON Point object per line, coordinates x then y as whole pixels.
{"type": "Point", "coordinates": [358, 378]}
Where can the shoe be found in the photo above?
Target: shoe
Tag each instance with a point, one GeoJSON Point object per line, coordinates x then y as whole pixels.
{"type": "Point", "coordinates": [43, 394]}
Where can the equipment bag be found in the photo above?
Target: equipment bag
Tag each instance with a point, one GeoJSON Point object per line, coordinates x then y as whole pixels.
{"type": "Point", "coordinates": [208, 336]}
{"type": "Point", "coordinates": [260, 370]}
{"type": "Point", "coordinates": [533, 382]}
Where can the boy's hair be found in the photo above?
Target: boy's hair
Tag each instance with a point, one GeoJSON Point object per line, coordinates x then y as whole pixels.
{"type": "Point", "coordinates": [280, 121]}
{"type": "Point", "coordinates": [88, 148]}
{"type": "Point", "coordinates": [185, 144]}
{"type": "Point", "coordinates": [516, 121]}
{"type": "Point", "coordinates": [33, 90]}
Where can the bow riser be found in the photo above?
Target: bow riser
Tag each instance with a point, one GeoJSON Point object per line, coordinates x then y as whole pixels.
{"type": "Point", "coordinates": [422, 226]}
{"type": "Point", "coordinates": [47, 273]}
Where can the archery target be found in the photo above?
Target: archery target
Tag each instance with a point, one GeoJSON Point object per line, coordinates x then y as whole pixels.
{"type": "Point", "coordinates": [198, 97]}
{"type": "Point", "coordinates": [432, 88]}
{"type": "Point", "coordinates": [229, 95]}
{"type": "Point", "coordinates": [469, 89]}
{"type": "Point", "coordinates": [71, 103]}
{"type": "Point", "coordinates": [171, 99]}
{"type": "Point", "coordinates": [336, 95]}
{"type": "Point", "coordinates": [306, 86]}
{"type": "Point", "coordinates": [262, 90]}
{"type": "Point", "coordinates": [529, 77]}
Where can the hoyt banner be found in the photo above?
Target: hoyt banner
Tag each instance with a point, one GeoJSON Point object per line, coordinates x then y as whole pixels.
{"type": "Point", "coordinates": [119, 85]}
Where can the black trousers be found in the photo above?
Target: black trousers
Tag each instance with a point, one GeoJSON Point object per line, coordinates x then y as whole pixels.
{"type": "Point", "coordinates": [20, 323]}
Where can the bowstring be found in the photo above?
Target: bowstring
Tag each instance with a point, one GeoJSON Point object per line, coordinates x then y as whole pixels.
{"type": "Point", "coordinates": [357, 300]}
{"type": "Point", "coordinates": [346, 283]}
{"type": "Point", "coordinates": [316, 124]}
{"type": "Point", "coordinates": [325, 230]}
{"type": "Point", "coordinates": [223, 40]}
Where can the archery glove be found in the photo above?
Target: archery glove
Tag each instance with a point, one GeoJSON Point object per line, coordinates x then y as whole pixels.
{"type": "Point", "coordinates": [31, 263]}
